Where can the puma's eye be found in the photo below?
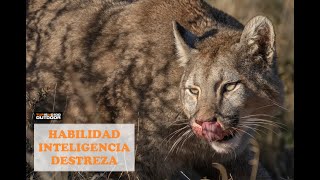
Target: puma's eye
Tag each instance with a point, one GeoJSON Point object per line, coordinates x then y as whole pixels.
{"type": "Point", "coordinates": [230, 87]}
{"type": "Point", "coordinates": [194, 91]}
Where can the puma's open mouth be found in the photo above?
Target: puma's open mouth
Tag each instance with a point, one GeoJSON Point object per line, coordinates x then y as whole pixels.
{"type": "Point", "coordinates": [212, 131]}
{"type": "Point", "coordinates": [227, 137]}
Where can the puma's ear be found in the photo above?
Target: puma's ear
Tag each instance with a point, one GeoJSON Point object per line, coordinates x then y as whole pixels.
{"type": "Point", "coordinates": [184, 41]}
{"type": "Point", "coordinates": [259, 35]}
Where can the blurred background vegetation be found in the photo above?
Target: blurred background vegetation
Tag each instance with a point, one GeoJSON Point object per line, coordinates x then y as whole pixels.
{"type": "Point", "coordinates": [276, 147]}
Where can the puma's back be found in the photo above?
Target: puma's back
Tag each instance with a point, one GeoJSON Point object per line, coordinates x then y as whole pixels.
{"type": "Point", "coordinates": [190, 77]}
{"type": "Point", "coordinates": [97, 40]}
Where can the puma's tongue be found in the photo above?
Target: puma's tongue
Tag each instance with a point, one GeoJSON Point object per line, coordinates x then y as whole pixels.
{"type": "Point", "coordinates": [212, 131]}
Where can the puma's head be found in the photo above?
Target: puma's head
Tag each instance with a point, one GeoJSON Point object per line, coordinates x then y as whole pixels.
{"type": "Point", "coordinates": [230, 84]}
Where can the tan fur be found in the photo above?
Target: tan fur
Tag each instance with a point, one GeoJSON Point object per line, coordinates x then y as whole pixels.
{"type": "Point", "coordinates": [117, 62]}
